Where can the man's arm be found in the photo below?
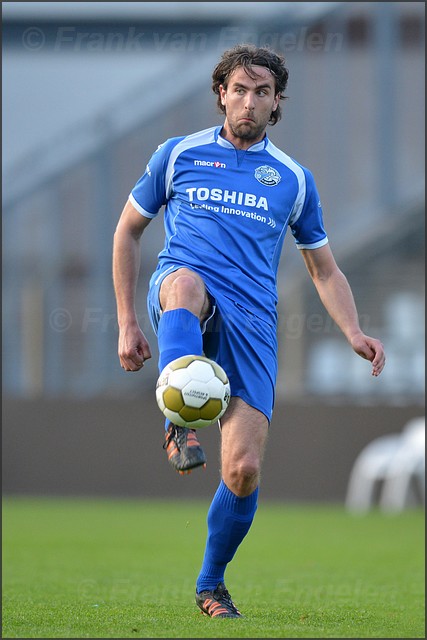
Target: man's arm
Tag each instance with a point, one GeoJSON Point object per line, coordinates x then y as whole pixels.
{"type": "Point", "coordinates": [133, 345]}
{"type": "Point", "coordinates": [337, 298]}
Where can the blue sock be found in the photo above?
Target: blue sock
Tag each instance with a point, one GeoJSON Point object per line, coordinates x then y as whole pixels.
{"type": "Point", "coordinates": [229, 520]}
{"type": "Point", "coordinates": [178, 334]}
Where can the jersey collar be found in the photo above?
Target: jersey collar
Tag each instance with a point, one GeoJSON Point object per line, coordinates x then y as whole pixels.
{"type": "Point", "coordinates": [258, 146]}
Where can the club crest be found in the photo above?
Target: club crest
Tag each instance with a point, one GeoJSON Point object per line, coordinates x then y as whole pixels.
{"type": "Point", "coordinates": [267, 175]}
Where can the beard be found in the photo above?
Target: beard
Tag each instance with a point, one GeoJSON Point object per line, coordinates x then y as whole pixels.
{"type": "Point", "coordinates": [247, 130]}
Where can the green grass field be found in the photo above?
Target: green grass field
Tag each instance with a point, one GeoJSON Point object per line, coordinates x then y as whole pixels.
{"type": "Point", "coordinates": [127, 569]}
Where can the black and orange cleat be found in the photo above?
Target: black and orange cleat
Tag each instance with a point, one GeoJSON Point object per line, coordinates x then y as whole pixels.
{"type": "Point", "coordinates": [217, 603]}
{"type": "Point", "coordinates": [183, 449]}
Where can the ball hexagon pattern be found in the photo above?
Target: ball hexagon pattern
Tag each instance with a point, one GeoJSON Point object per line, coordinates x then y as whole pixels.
{"type": "Point", "coordinates": [193, 391]}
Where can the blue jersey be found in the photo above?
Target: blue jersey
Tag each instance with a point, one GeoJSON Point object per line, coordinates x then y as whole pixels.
{"type": "Point", "coordinates": [227, 212]}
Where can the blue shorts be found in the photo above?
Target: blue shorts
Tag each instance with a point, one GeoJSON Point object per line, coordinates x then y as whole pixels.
{"type": "Point", "coordinates": [242, 343]}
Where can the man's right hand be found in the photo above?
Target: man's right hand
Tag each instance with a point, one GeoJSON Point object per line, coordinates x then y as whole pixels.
{"type": "Point", "coordinates": [133, 348]}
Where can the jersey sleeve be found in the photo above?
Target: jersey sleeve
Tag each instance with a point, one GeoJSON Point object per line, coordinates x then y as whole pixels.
{"type": "Point", "coordinates": [306, 221]}
{"type": "Point", "coordinates": [149, 193]}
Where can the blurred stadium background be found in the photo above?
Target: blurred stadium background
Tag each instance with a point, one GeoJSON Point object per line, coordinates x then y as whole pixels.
{"type": "Point", "coordinates": [89, 91]}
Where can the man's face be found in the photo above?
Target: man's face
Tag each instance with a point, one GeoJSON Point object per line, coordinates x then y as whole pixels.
{"type": "Point", "coordinates": [249, 103]}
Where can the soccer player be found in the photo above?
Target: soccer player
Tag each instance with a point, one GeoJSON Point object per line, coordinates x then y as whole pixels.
{"type": "Point", "coordinates": [230, 195]}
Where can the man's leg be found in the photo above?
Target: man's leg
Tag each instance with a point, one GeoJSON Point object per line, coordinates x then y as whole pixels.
{"type": "Point", "coordinates": [185, 304]}
{"type": "Point", "coordinates": [243, 438]}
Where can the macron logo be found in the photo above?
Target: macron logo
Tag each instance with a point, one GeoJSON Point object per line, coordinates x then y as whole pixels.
{"type": "Point", "coordinates": [208, 163]}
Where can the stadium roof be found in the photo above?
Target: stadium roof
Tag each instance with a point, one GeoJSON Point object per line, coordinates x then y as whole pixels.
{"type": "Point", "coordinates": [52, 92]}
{"type": "Point", "coordinates": [47, 90]}
{"type": "Point", "coordinates": [162, 10]}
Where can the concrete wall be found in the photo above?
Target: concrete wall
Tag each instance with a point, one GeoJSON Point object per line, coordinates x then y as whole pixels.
{"type": "Point", "coordinates": [107, 447]}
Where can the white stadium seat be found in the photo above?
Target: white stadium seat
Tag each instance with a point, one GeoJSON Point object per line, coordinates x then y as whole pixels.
{"type": "Point", "coordinates": [390, 471]}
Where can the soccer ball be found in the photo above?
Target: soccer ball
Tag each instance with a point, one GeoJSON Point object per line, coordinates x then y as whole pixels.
{"type": "Point", "coordinates": [193, 391]}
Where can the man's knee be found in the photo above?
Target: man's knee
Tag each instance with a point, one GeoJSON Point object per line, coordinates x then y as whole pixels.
{"type": "Point", "coordinates": [242, 475]}
{"type": "Point", "coordinates": [183, 289]}
{"type": "Point", "coordinates": [188, 285]}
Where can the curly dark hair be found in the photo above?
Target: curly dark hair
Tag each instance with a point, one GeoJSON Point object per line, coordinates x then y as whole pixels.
{"type": "Point", "coordinates": [247, 55]}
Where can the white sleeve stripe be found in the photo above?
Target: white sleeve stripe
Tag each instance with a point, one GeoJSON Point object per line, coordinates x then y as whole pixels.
{"type": "Point", "coordinates": [299, 173]}
{"type": "Point", "coordinates": [140, 209]}
{"type": "Point", "coordinates": [314, 245]}
{"type": "Point", "coordinates": [198, 139]}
